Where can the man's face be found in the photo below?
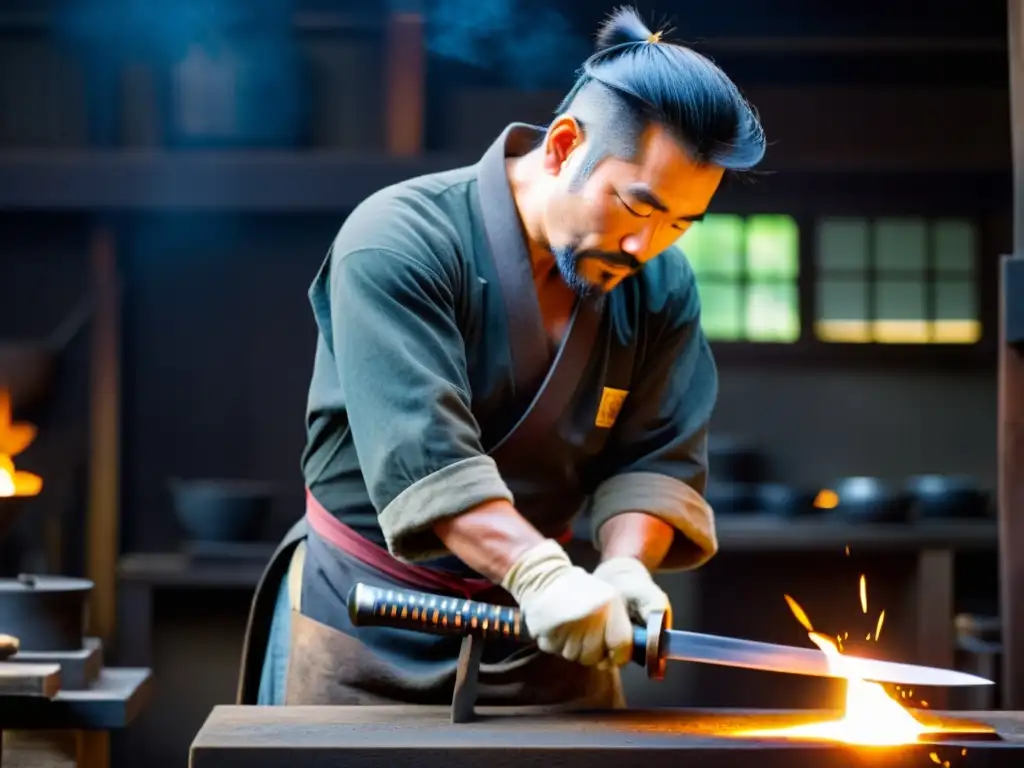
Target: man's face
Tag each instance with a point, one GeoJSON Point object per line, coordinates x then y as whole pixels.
{"type": "Point", "coordinates": [625, 213]}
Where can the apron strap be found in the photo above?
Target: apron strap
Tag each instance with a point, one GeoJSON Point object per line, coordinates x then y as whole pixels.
{"type": "Point", "coordinates": [261, 612]}
{"type": "Point", "coordinates": [330, 528]}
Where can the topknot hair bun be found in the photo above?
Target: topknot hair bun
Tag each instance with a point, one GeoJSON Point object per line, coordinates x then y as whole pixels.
{"type": "Point", "coordinates": [624, 26]}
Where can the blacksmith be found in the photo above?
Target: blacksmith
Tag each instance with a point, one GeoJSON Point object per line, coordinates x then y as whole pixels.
{"type": "Point", "coordinates": [503, 348]}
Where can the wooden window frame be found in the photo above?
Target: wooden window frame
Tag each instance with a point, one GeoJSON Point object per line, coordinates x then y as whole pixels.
{"type": "Point", "coordinates": [807, 211]}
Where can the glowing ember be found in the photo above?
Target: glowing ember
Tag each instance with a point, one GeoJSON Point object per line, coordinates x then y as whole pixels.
{"type": "Point", "coordinates": [15, 438]}
{"type": "Point", "coordinates": [863, 594]}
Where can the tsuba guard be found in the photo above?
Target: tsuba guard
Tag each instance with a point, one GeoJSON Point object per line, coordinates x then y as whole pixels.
{"type": "Point", "coordinates": [654, 661]}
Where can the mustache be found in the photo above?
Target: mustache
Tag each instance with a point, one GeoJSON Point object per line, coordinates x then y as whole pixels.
{"type": "Point", "coordinates": [614, 259]}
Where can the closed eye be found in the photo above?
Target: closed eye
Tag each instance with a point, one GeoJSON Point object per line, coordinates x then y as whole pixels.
{"type": "Point", "coordinates": [680, 225]}
{"type": "Point", "coordinates": [630, 209]}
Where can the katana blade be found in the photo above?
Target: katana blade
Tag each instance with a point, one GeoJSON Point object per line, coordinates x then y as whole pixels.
{"type": "Point", "coordinates": [653, 645]}
{"type": "Point", "coordinates": [678, 645]}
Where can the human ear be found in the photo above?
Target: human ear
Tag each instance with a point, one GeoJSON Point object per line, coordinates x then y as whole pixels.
{"type": "Point", "coordinates": [563, 136]}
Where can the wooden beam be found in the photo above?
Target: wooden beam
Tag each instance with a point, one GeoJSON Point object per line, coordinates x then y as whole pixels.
{"type": "Point", "coordinates": [103, 515]}
{"type": "Point", "coordinates": [936, 635]}
{"type": "Point", "coordinates": [1015, 35]}
{"type": "Point", "coordinates": [1011, 402]}
{"type": "Point", "coordinates": [1011, 505]}
{"type": "Point", "coordinates": [406, 82]}
{"type": "Point", "coordinates": [845, 46]}
{"type": "Point", "coordinates": [29, 679]}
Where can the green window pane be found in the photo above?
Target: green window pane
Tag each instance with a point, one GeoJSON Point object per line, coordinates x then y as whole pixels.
{"type": "Point", "coordinates": [843, 300]}
{"type": "Point", "coordinates": [956, 312]}
{"type": "Point", "coordinates": [897, 299]}
{"type": "Point", "coordinates": [842, 314]}
{"type": "Point", "coordinates": [773, 247]}
{"type": "Point", "coordinates": [956, 246]}
{"type": "Point", "coordinates": [721, 315]}
{"type": "Point", "coordinates": [901, 246]}
{"type": "Point", "coordinates": [715, 245]}
{"type": "Point", "coordinates": [901, 314]}
{"type": "Point", "coordinates": [773, 312]}
{"type": "Point", "coordinates": [843, 245]}
{"type": "Point", "coordinates": [956, 300]}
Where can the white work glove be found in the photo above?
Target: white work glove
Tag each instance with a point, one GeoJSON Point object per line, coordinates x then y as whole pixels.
{"type": "Point", "coordinates": [633, 581]}
{"type": "Point", "coordinates": [568, 611]}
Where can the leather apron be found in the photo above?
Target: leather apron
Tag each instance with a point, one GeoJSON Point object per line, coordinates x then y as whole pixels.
{"type": "Point", "coordinates": [327, 666]}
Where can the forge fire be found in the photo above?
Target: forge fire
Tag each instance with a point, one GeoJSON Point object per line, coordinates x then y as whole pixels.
{"type": "Point", "coordinates": [15, 438]}
{"type": "Point", "coordinates": [870, 716]}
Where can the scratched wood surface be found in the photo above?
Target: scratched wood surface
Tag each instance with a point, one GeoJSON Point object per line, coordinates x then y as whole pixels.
{"type": "Point", "coordinates": [358, 737]}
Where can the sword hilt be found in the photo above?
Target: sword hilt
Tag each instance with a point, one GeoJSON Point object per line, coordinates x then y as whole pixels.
{"type": "Point", "coordinates": [370, 606]}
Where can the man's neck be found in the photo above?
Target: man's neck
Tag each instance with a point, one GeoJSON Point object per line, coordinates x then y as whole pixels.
{"type": "Point", "coordinates": [555, 297]}
{"type": "Point", "coordinates": [521, 172]}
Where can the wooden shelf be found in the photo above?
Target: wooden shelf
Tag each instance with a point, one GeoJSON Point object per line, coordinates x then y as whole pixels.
{"type": "Point", "coordinates": [243, 180]}
{"type": "Point", "coordinates": [112, 702]}
{"type": "Point", "coordinates": [765, 533]}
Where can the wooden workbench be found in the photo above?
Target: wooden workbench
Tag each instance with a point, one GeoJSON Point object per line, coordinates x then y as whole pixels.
{"type": "Point", "coordinates": [360, 737]}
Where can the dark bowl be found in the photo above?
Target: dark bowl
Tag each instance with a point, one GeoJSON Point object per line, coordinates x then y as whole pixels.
{"type": "Point", "coordinates": [730, 461]}
{"type": "Point", "coordinates": [787, 500]}
{"type": "Point", "coordinates": [26, 371]}
{"type": "Point", "coordinates": [947, 497]}
{"type": "Point", "coordinates": [870, 500]}
{"type": "Point", "coordinates": [732, 498]}
{"type": "Point", "coordinates": [222, 511]}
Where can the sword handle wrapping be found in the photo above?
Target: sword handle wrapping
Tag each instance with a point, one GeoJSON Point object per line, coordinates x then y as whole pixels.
{"type": "Point", "coordinates": [370, 606]}
{"type": "Point", "coordinates": [433, 614]}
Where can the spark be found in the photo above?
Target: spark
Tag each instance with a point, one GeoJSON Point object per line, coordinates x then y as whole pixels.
{"type": "Point", "coordinates": [798, 612]}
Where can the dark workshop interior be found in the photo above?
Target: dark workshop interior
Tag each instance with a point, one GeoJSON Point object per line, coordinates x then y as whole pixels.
{"type": "Point", "coordinates": [172, 173]}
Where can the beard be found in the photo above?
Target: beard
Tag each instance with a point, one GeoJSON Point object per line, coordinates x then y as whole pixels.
{"type": "Point", "coordinates": [569, 260]}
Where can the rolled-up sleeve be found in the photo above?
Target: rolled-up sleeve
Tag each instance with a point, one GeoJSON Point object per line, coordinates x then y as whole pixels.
{"type": "Point", "coordinates": [402, 369]}
{"type": "Point", "coordinates": [656, 458]}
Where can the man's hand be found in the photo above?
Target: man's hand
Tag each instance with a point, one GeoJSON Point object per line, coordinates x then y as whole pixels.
{"type": "Point", "coordinates": [570, 612]}
{"type": "Point", "coordinates": [633, 582]}
{"type": "Point", "coordinates": [632, 545]}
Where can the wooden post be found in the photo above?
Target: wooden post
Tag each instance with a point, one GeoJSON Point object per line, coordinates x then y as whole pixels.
{"type": "Point", "coordinates": [103, 515]}
{"type": "Point", "coordinates": [1011, 396]}
{"type": "Point", "coordinates": [1011, 495]}
{"type": "Point", "coordinates": [1015, 45]}
{"type": "Point", "coordinates": [406, 81]}
{"type": "Point", "coordinates": [936, 634]}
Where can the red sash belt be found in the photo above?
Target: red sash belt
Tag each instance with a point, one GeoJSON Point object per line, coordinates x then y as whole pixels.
{"type": "Point", "coordinates": [369, 554]}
